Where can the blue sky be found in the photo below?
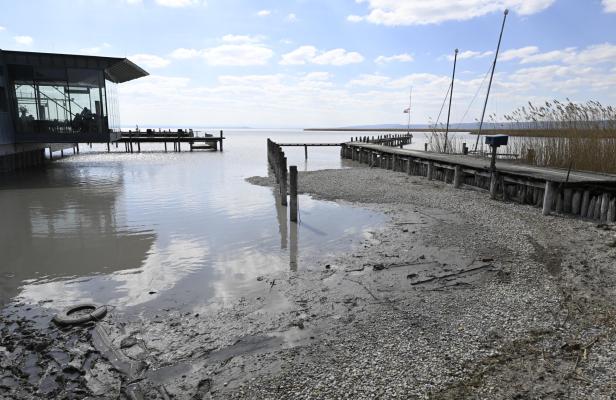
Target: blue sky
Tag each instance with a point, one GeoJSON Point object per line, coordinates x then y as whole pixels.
{"type": "Point", "coordinates": [301, 63]}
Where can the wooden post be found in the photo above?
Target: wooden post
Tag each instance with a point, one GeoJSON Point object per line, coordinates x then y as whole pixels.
{"type": "Point", "coordinates": [50, 154]}
{"type": "Point", "coordinates": [283, 180]}
{"type": "Point", "coordinates": [430, 170]}
{"type": "Point", "coordinates": [293, 192]}
{"type": "Point", "coordinates": [605, 205]}
{"type": "Point", "coordinates": [221, 139]}
{"type": "Point", "coordinates": [165, 147]}
{"type": "Point", "coordinates": [568, 200]}
{"type": "Point", "coordinates": [591, 208]}
{"type": "Point", "coordinates": [138, 147]}
{"type": "Point", "coordinates": [576, 202]}
{"type": "Point", "coordinates": [585, 204]}
{"type": "Point", "coordinates": [611, 213]}
{"type": "Point", "coordinates": [548, 197]}
{"type": "Point", "coordinates": [493, 185]}
{"type": "Point", "coordinates": [77, 148]}
{"type": "Point", "coordinates": [305, 152]}
{"type": "Point", "coordinates": [457, 177]}
{"type": "Point", "coordinates": [425, 146]}
{"type": "Point", "coordinates": [108, 148]}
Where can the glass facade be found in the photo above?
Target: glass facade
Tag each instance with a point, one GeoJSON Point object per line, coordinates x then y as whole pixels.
{"type": "Point", "coordinates": [60, 100]}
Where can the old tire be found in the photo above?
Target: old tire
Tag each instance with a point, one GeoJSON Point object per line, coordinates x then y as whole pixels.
{"type": "Point", "coordinates": [70, 316]}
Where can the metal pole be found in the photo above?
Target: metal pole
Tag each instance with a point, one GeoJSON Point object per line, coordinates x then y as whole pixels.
{"type": "Point", "coordinates": [485, 104]}
{"type": "Point", "coordinates": [453, 78]}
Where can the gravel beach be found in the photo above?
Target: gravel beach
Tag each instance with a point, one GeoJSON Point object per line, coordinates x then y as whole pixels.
{"type": "Point", "coordinates": [456, 296]}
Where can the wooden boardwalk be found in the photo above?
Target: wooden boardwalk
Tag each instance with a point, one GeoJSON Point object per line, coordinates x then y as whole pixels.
{"type": "Point", "coordinates": [586, 194]}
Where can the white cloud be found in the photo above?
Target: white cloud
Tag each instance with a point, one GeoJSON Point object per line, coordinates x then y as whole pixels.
{"type": "Point", "coordinates": [179, 3]}
{"type": "Point", "coordinates": [149, 60]}
{"type": "Point", "coordinates": [2, 28]}
{"type": "Point", "coordinates": [291, 17]}
{"type": "Point", "coordinates": [522, 52]}
{"type": "Point", "coordinates": [185, 54]}
{"type": "Point", "coordinates": [595, 54]}
{"type": "Point", "coordinates": [23, 40]}
{"type": "Point", "coordinates": [264, 13]}
{"type": "Point", "coordinates": [238, 54]}
{"type": "Point", "coordinates": [236, 50]}
{"type": "Point", "coordinates": [133, 2]}
{"type": "Point", "coordinates": [422, 12]}
{"type": "Point", "coordinates": [397, 58]}
{"type": "Point", "coordinates": [609, 6]}
{"type": "Point", "coordinates": [310, 55]}
{"type": "Point", "coordinates": [369, 80]}
{"type": "Point", "coordinates": [468, 54]}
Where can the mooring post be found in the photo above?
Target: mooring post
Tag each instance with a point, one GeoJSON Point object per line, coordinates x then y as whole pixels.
{"type": "Point", "coordinates": [221, 139]}
{"type": "Point", "coordinates": [293, 192]}
{"type": "Point", "coordinates": [548, 197]}
{"type": "Point", "coordinates": [305, 152]}
{"type": "Point", "coordinates": [77, 148]}
{"type": "Point", "coordinates": [108, 148]}
{"type": "Point", "coordinates": [457, 177]}
{"type": "Point", "coordinates": [165, 146]}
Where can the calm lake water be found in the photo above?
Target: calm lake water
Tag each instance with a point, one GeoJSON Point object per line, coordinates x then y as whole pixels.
{"type": "Point", "coordinates": [154, 230]}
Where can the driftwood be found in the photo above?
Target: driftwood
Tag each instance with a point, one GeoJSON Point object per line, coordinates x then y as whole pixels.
{"type": "Point", "coordinates": [465, 271]}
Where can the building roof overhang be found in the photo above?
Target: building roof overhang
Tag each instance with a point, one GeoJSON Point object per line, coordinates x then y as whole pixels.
{"type": "Point", "coordinates": [117, 70]}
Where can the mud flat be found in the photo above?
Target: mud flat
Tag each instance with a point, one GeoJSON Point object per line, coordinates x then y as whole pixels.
{"type": "Point", "coordinates": [456, 296]}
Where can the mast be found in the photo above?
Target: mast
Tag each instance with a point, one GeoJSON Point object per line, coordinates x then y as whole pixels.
{"type": "Point", "coordinates": [485, 104]}
{"type": "Point", "coordinates": [408, 125]}
{"type": "Point", "coordinates": [453, 78]}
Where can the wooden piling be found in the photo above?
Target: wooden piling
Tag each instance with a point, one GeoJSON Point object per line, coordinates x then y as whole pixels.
{"type": "Point", "coordinates": [293, 193]}
{"type": "Point", "coordinates": [585, 204]}
{"type": "Point", "coordinates": [548, 197]}
{"type": "Point", "coordinates": [457, 177]}
{"type": "Point", "coordinates": [221, 140]}
{"type": "Point", "coordinates": [494, 178]}
{"type": "Point", "coordinates": [611, 214]}
{"type": "Point", "coordinates": [283, 181]}
{"type": "Point", "coordinates": [305, 152]}
{"type": "Point", "coordinates": [576, 202]}
{"type": "Point", "coordinates": [430, 170]}
{"type": "Point", "coordinates": [605, 205]}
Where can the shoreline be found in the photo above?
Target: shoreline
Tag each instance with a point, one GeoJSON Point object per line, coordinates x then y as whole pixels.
{"type": "Point", "coordinates": [455, 296]}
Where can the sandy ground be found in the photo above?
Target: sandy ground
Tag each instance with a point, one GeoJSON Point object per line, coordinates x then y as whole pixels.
{"type": "Point", "coordinates": [457, 296]}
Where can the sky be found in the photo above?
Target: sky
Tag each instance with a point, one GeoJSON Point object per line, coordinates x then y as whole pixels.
{"type": "Point", "coordinates": [318, 63]}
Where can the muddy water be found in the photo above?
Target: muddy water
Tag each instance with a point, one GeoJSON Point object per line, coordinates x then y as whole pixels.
{"type": "Point", "coordinates": [153, 230]}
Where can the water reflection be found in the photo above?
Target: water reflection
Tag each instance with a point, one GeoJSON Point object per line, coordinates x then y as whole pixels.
{"type": "Point", "coordinates": [154, 230]}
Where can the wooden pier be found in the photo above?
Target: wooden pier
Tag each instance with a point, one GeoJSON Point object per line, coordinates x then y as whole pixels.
{"type": "Point", "coordinates": [132, 141]}
{"type": "Point", "coordinates": [583, 194]}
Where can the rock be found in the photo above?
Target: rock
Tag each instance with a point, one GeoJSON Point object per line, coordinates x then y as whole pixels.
{"type": "Point", "coordinates": [378, 267]}
{"type": "Point", "coordinates": [411, 276]}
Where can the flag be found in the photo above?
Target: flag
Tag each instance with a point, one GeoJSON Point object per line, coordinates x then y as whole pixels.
{"type": "Point", "coordinates": [407, 110]}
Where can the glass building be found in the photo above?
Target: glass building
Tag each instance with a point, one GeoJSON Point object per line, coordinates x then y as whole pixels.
{"type": "Point", "coordinates": [61, 98]}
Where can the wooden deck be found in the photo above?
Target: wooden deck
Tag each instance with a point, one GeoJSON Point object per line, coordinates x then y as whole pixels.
{"type": "Point", "coordinates": [539, 173]}
{"type": "Point", "coordinates": [585, 194]}
{"type": "Point", "coordinates": [194, 143]}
